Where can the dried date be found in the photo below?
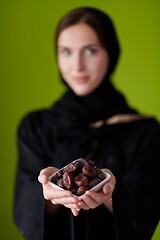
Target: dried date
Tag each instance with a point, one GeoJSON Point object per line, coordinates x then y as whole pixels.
{"type": "Point", "coordinates": [81, 190]}
{"type": "Point", "coordinates": [78, 176]}
{"type": "Point", "coordinates": [60, 183]}
{"type": "Point", "coordinates": [81, 180]}
{"type": "Point", "coordinates": [100, 174]}
{"type": "Point", "coordinates": [89, 171]}
{"type": "Point", "coordinates": [68, 180]}
{"type": "Point", "coordinates": [93, 182]}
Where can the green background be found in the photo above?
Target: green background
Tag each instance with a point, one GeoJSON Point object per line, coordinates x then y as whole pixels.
{"type": "Point", "coordinates": [29, 78]}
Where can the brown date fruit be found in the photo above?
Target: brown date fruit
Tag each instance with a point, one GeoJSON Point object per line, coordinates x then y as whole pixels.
{"type": "Point", "coordinates": [91, 163]}
{"type": "Point", "coordinates": [73, 167]}
{"type": "Point", "coordinates": [100, 174]}
{"type": "Point", "coordinates": [54, 179]}
{"type": "Point", "coordinates": [74, 190]}
{"type": "Point", "coordinates": [93, 182]}
{"type": "Point", "coordinates": [89, 171]}
{"type": "Point", "coordinates": [60, 183]}
{"type": "Point", "coordinates": [78, 176]}
{"type": "Point", "coordinates": [77, 166]}
{"type": "Point", "coordinates": [68, 168]}
{"type": "Point", "coordinates": [81, 190]}
{"type": "Point", "coordinates": [81, 180]}
{"type": "Point", "coordinates": [68, 180]}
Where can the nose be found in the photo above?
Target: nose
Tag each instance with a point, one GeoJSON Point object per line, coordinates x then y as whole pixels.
{"type": "Point", "coordinates": [78, 62]}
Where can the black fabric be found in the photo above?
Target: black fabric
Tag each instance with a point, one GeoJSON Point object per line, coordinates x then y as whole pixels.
{"type": "Point", "coordinates": [56, 137]}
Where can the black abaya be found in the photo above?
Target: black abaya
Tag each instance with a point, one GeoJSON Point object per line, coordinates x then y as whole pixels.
{"type": "Point", "coordinates": [131, 150]}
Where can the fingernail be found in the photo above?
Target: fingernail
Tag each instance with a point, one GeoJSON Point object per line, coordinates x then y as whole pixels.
{"type": "Point", "coordinates": [87, 192]}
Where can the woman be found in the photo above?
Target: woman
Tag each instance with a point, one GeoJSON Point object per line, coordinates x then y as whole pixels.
{"type": "Point", "coordinates": [92, 120]}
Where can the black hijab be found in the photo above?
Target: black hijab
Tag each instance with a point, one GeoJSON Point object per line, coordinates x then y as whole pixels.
{"type": "Point", "coordinates": [73, 114]}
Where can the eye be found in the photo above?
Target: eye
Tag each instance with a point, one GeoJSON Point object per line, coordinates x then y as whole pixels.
{"type": "Point", "coordinates": [91, 51]}
{"type": "Point", "coordinates": [65, 52]}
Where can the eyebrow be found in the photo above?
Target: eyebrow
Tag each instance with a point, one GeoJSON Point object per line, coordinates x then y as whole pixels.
{"type": "Point", "coordinates": [92, 45]}
{"type": "Point", "coordinates": [84, 47]}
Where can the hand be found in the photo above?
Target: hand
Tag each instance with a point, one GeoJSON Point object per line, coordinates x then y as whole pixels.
{"type": "Point", "coordinates": [57, 196]}
{"type": "Point", "coordinates": [93, 199]}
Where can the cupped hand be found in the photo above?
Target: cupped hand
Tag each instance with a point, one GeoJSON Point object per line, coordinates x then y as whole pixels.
{"type": "Point", "coordinates": [62, 197]}
{"type": "Point", "coordinates": [91, 199]}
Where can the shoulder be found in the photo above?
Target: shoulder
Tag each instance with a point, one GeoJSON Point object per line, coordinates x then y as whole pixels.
{"type": "Point", "coordinates": [147, 130]}
{"type": "Point", "coordinates": [33, 117]}
{"type": "Point", "coordinates": [33, 122]}
{"type": "Point", "coordinates": [142, 122]}
{"type": "Point", "coordinates": [148, 126]}
{"type": "Point", "coordinates": [137, 129]}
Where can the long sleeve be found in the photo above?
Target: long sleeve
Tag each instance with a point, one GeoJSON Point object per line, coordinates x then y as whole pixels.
{"type": "Point", "coordinates": [34, 149]}
{"type": "Point", "coordinates": [136, 197]}
{"type": "Point", "coordinates": [29, 201]}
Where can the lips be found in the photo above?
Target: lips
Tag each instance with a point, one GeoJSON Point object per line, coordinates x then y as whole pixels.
{"type": "Point", "coordinates": [82, 79]}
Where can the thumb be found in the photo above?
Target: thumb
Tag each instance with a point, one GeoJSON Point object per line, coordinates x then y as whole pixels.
{"type": "Point", "coordinates": [45, 173]}
{"type": "Point", "coordinates": [106, 188]}
{"type": "Point", "coordinates": [42, 178]}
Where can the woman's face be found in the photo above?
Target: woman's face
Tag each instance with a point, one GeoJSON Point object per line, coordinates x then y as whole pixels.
{"type": "Point", "coordinates": [82, 60]}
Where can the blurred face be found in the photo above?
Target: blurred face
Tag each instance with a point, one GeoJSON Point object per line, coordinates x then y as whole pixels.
{"type": "Point", "coordinates": [82, 60]}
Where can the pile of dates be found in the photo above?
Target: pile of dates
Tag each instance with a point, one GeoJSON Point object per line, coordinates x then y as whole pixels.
{"type": "Point", "coordinates": [78, 176]}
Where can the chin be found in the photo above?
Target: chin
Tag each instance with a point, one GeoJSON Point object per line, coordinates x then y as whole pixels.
{"type": "Point", "coordinates": [81, 93]}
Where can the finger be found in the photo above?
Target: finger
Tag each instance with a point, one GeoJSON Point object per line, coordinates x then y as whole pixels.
{"type": "Point", "coordinates": [42, 178]}
{"type": "Point", "coordinates": [45, 173]}
{"type": "Point", "coordinates": [75, 212]}
{"type": "Point", "coordinates": [96, 197]}
{"type": "Point", "coordinates": [48, 171]}
{"type": "Point", "coordinates": [83, 205]}
{"type": "Point", "coordinates": [91, 203]}
{"type": "Point", "coordinates": [72, 206]}
{"type": "Point", "coordinates": [51, 193]}
{"type": "Point", "coordinates": [64, 200]}
{"type": "Point", "coordinates": [108, 188]}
